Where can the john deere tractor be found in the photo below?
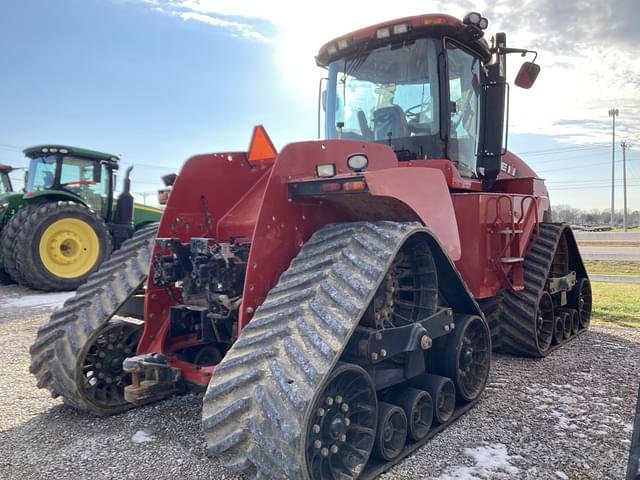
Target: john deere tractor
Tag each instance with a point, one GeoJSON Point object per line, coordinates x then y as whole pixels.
{"type": "Point", "coordinates": [66, 222]}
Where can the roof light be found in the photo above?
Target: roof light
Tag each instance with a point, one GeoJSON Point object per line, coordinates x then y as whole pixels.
{"type": "Point", "coordinates": [64, 151]}
{"type": "Point", "coordinates": [357, 161]}
{"type": "Point", "coordinates": [484, 23]}
{"type": "Point", "coordinates": [343, 43]}
{"type": "Point", "coordinates": [384, 32]}
{"type": "Point", "coordinates": [472, 18]}
{"type": "Point", "coordinates": [401, 28]}
{"type": "Point", "coordinates": [45, 150]}
{"type": "Point", "coordinates": [330, 187]}
{"type": "Point", "coordinates": [326, 170]}
{"type": "Point", "coordinates": [53, 150]}
{"type": "Point", "coordinates": [356, 186]}
{"type": "Point", "coordinates": [331, 49]}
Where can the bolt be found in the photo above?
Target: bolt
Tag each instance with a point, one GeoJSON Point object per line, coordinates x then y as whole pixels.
{"type": "Point", "coordinates": [101, 354]}
{"type": "Point", "coordinates": [110, 347]}
{"type": "Point", "coordinates": [452, 325]}
{"type": "Point", "coordinates": [101, 375]}
{"type": "Point", "coordinates": [383, 353]}
{"type": "Point", "coordinates": [109, 380]}
{"type": "Point", "coordinates": [343, 437]}
{"type": "Point", "coordinates": [317, 444]}
{"type": "Point", "coordinates": [447, 328]}
{"type": "Point", "coordinates": [152, 316]}
{"type": "Point", "coordinates": [154, 296]}
{"type": "Point", "coordinates": [334, 449]}
{"type": "Point", "coordinates": [378, 336]}
{"type": "Point", "coordinates": [426, 342]}
{"type": "Point", "coordinates": [344, 407]}
{"type": "Point", "coordinates": [347, 422]}
{"type": "Point", "coordinates": [320, 412]}
{"type": "Point", "coordinates": [250, 310]}
{"type": "Point", "coordinates": [98, 365]}
{"type": "Point", "coordinates": [329, 401]}
{"type": "Point", "coordinates": [374, 356]}
{"type": "Point", "coordinates": [450, 312]}
{"type": "Point", "coordinates": [324, 452]}
{"type": "Point", "coordinates": [316, 428]}
{"type": "Point", "coordinates": [338, 399]}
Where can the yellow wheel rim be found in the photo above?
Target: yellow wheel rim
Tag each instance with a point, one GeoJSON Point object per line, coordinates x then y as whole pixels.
{"type": "Point", "coordinates": [69, 248]}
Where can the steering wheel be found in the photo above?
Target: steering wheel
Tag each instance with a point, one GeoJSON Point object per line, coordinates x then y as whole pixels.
{"type": "Point", "coordinates": [413, 113]}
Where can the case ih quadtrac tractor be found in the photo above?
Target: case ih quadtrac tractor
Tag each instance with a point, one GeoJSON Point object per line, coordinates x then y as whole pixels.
{"type": "Point", "coordinates": [65, 224]}
{"type": "Point", "coordinates": [338, 300]}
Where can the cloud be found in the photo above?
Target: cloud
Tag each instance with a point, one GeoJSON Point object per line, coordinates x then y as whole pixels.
{"type": "Point", "coordinates": [240, 29]}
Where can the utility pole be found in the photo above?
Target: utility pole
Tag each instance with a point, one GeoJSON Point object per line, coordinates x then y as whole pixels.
{"type": "Point", "coordinates": [613, 113]}
{"type": "Point", "coordinates": [624, 146]}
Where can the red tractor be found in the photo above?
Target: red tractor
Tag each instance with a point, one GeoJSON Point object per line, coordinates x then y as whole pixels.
{"type": "Point", "coordinates": [338, 300]}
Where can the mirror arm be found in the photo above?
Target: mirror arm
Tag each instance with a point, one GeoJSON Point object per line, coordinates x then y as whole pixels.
{"type": "Point", "coordinates": [522, 51]}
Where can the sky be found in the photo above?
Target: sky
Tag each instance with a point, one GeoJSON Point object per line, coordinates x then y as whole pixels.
{"type": "Point", "coordinates": [158, 81]}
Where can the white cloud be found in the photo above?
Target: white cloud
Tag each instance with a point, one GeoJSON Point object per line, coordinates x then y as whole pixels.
{"type": "Point", "coordinates": [240, 29]}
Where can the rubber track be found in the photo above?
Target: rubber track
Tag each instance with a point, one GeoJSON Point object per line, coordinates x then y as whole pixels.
{"type": "Point", "coordinates": [9, 240]}
{"type": "Point", "coordinates": [510, 314]}
{"type": "Point", "coordinates": [59, 342]}
{"type": "Point", "coordinates": [256, 406]}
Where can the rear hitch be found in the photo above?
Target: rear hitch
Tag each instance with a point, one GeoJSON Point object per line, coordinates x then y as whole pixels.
{"type": "Point", "coordinates": [152, 378]}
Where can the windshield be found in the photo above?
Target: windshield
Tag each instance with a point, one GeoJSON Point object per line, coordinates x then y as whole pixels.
{"type": "Point", "coordinates": [42, 172]}
{"type": "Point", "coordinates": [389, 95]}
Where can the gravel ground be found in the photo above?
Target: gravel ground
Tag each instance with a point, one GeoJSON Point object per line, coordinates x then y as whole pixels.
{"type": "Point", "coordinates": [564, 417]}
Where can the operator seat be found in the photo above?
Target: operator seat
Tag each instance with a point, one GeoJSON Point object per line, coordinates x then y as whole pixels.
{"type": "Point", "coordinates": [390, 119]}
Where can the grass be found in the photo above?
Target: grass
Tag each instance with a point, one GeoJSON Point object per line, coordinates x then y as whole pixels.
{"type": "Point", "coordinates": [616, 302]}
{"type": "Point", "coordinates": [630, 229]}
{"type": "Point", "coordinates": [612, 267]}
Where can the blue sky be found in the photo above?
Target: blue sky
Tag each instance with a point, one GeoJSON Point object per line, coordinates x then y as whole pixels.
{"type": "Point", "coordinates": [160, 80]}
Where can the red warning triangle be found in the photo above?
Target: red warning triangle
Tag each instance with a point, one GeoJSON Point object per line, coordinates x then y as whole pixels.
{"type": "Point", "coordinates": [261, 147]}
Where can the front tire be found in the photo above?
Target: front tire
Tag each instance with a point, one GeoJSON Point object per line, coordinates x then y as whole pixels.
{"type": "Point", "coordinates": [59, 245]}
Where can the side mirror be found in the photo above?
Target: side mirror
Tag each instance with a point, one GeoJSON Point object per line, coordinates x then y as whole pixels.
{"type": "Point", "coordinates": [527, 75]}
{"type": "Point", "coordinates": [169, 179]}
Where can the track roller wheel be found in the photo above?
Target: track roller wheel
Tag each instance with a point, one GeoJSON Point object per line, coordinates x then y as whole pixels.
{"type": "Point", "coordinates": [567, 326]}
{"type": "Point", "coordinates": [391, 434]}
{"type": "Point", "coordinates": [418, 408]}
{"type": "Point", "coordinates": [573, 319]}
{"type": "Point", "coordinates": [343, 424]}
{"type": "Point", "coordinates": [544, 322]}
{"type": "Point", "coordinates": [467, 357]}
{"type": "Point", "coordinates": [580, 299]}
{"type": "Point", "coordinates": [558, 330]}
{"type": "Point", "coordinates": [443, 393]}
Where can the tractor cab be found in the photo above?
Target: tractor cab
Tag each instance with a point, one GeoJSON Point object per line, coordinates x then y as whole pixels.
{"type": "Point", "coordinates": [5, 181]}
{"type": "Point", "coordinates": [421, 85]}
{"type": "Point", "coordinates": [85, 174]}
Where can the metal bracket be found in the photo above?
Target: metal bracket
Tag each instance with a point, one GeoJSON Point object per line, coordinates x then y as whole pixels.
{"type": "Point", "coordinates": [152, 378]}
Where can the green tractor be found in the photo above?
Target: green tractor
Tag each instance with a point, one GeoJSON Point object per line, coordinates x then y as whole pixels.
{"type": "Point", "coordinates": [66, 223]}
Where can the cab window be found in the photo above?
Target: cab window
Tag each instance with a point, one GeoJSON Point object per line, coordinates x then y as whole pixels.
{"type": "Point", "coordinates": [464, 94]}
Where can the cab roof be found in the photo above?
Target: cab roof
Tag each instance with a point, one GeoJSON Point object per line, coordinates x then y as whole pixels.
{"type": "Point", "coordinates": [436, 25]}
{"type": "Point", "coordinates": [5, 168]}
{"type": "Point", "coordinates": [75, 151]}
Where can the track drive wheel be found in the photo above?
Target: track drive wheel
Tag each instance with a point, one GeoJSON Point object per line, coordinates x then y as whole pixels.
{"type": "Point", "coordinates": [78, 353]}
{"type": "Point", "coordinates": [59, 245]}
{"type": "Point", "coordinates": [341, 431]}
{"type": "Point", "coordinates": [580, 299]}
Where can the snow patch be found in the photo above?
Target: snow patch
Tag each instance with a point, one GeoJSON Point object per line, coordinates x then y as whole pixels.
{"type": "Point", "coordinates": [50, 300]}
{"type": "Point", "coordinates": [491, 462]}
{"type": "Point", "coordinates": [142, 437]}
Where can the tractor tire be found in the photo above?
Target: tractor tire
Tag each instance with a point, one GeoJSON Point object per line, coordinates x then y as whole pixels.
{"type": "Point", "coordinates": [60, 350]}
{"type": "Point", "coordinates": [59, 245]}
{"type": "Point", "coordinates": [272, 398]}
{"type": "Point", "coordinates": [9, 241]}
{"type": "Point", "coordinates": [522, 323]}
